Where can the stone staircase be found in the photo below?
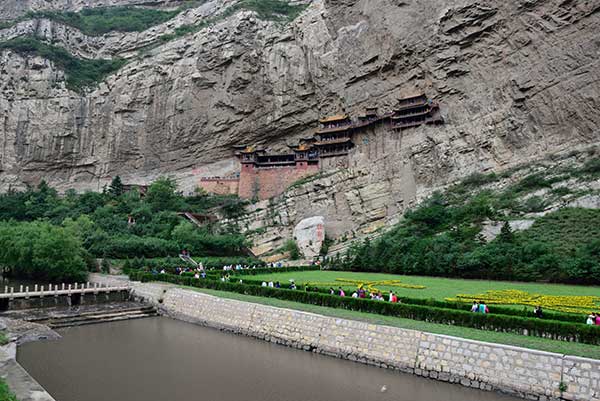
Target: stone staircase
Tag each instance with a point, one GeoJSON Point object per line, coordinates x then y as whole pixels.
{"type": "Point", "coordinates": [94, 317]}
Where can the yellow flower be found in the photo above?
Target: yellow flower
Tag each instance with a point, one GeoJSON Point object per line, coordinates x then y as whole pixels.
{"type": "Point", "coordinates": [561, 303]}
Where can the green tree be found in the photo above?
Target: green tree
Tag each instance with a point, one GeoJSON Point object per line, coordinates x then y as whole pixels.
{"type": "Point", "coordinates": [42, 251]}
{"type": "Point", "coordinates": [162, 195]}
{"type": "Point", "coordinates": [506, 233]}
{"type": "Point", "coordinates": [116, 187]}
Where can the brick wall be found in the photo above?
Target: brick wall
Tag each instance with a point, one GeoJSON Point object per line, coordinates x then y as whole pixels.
{"type": "Point", "coordinates": [248, 181]}
{"type": "Point", "coordinates": [266, 183]}
{"type": "Point", "coordinates": [224, 186]}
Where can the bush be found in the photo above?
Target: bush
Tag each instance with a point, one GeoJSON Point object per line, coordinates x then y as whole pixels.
{"type": "Point", "coordinates": [131, 246]}
{"type": "Point", "coordinates": [590, 168]}
{"type": "Point", "coordinates": [200, 242]}
{"type": "Point", "coordinates": [105, 266]}
{"type": "Point", "coordinates": [292, 247]}
{"type": "Point", "coordinates": [510, 324]}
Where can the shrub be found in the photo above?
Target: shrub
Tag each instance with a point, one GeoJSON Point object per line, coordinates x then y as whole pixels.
{"type": "Point", "coordinates": [531, 183]}
{"type": "Point", "coordinates": [292, 247]}
{"type": "Point", "coordinates": [200, 242]}
{"type": "Point", "coordinates": [131, 246]}
{"type": "Point", "coordinates": [105, 266]}
{"type": "Point", "coordinates": [591, 167]}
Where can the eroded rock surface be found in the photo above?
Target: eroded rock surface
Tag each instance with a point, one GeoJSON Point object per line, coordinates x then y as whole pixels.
{"type": "Point", "coordinates": [309, 235]}
{"type": "Point", "coordinates": [516, 81]}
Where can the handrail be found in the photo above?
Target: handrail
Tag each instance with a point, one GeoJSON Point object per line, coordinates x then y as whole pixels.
{"type": "Point", "coordinates": [62, 290]}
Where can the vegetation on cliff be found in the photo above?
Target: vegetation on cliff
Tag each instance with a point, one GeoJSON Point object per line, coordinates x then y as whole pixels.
{"type": "Point", "coordinates": [442, 237]}
{"type": "Point", "coordinates": [269, 10]}
{"type": "Point", "coordinates": [272, 10]}
{"type": "Point", "coordinates": [79, 72]}
{"type": "Point", "coordinates": [40, 226]}
{"type": "Point", "coordinates": [101, 20]}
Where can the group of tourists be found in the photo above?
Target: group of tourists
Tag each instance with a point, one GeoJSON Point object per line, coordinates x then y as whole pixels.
{"type": "Point", "coordinates": [238, 267]}
{"type": "Point", "coordinates": [479, 307]}
{"type": "Point", "coordinates": [593, 319]}
{"type": "Point", "coordinates": [361, 293]}
{"type": "Point", "coordinates": [271, 284]}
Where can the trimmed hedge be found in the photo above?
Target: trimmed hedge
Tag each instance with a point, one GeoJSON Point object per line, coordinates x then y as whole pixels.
{"type": "Point", "coordinates": [493, 322]}
{"type": "Point", "coordinates": [270, 270]}
{"type": "Point", "coordinates": [497, 310]}
{"type": "Point", "coordinates": [237, 274]}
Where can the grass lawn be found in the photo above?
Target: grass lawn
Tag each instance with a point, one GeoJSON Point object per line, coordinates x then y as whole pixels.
{"type": "Point", "coordinates": [436, 287]}
{"type": "Point", "coordinates": [562, 347]}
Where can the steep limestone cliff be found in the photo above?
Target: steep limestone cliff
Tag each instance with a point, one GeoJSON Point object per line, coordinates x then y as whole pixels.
{"type": "Point", "coordinates": [516, 81]}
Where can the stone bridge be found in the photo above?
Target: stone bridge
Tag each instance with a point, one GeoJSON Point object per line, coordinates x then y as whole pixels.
{"type": "Point", "coordinates": [61, 295]}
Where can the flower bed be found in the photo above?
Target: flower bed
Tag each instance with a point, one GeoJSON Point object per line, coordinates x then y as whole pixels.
{"type": "Point", "coordinates": [560, 303]}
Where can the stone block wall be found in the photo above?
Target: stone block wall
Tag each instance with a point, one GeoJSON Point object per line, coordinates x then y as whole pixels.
{"type": "Point", "coordinates": [523, 372]}
{"type": "Point", "coordinates": [490, 366]}
{"type": "Point", "coordinates": [582, 376]}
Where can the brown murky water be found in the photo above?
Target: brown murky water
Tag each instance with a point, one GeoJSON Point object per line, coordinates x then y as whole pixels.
{"type": "Point", "coordinates": [159, 359]}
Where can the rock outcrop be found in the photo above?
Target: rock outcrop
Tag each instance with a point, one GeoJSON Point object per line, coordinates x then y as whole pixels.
{"type": "Point", "coordinates": [516, 81]}
{"type": "Point", "coordinates": [309, 235]}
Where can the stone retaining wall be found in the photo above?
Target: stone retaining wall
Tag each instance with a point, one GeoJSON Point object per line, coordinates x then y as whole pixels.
{"type": "Point", "coordinates": [19, 381]}
{"type": "Point", "coordinates": [523, 372]}
{"type": "Point", "coordinates": [527, 373]}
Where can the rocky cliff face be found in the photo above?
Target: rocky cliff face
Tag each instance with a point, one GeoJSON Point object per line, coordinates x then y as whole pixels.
{"type": "Point", "coordinates": [516, 81]}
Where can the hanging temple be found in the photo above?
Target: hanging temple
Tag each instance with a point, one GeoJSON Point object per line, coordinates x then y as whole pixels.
{"type": "Point", "coordinates": [264, 175]}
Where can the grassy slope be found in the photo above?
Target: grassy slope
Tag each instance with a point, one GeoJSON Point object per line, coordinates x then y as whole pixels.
{"type": "Point", "coordinates": [437, 287]}
{"type": "Point", "coordinates": [561, 347]}
{"type": "Point", "coordinates": [566, 229]}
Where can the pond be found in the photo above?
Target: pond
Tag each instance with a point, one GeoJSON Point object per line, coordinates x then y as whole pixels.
{"type": "Point", "coordinates": [160, 359]}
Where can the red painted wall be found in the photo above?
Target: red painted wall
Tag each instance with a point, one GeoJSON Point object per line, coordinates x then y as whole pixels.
{"type": "Point", "coordinates": [220, 187]}
{"type": "Point", "coordinates": [265, 183]}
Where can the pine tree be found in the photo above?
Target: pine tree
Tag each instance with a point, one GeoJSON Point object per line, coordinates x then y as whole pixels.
{"type": "Point", "coordinates": [506, 233]}
{"type": "Point", "coordinates": [116, 187]}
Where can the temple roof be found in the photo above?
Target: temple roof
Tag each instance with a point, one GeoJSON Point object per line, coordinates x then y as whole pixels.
{"type": "Point", "coordinates": [412, 95]}
{"type": "Point", "coordinates": [337, 117]}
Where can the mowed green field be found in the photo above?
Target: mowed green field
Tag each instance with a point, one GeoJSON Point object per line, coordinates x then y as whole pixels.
{"type": "Point", "coordinates": [436, 287]}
